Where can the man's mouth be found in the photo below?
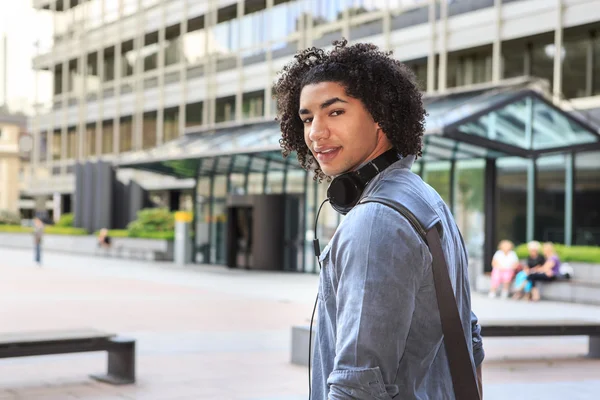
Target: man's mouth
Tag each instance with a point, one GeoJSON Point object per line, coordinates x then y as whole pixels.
{"type": "Point", "coordinates": [326, 155]}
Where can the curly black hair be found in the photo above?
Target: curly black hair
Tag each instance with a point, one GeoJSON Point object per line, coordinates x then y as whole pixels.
{"type": "Point", "coordinates": [386, 87]}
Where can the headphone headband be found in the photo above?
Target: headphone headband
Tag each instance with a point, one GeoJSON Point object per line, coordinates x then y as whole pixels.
{"type": "Point", "coordinates": [345, 189]}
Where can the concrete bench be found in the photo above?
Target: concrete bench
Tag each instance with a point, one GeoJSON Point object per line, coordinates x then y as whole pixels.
{"type": "Point", "coordinates": [489, 328]}
{"type": "Point", "coordinates": [121, 351]}
{"type": "Point", "coordinates": [559, 327]}
{"type": "Point", "coordinates": [134, 252]}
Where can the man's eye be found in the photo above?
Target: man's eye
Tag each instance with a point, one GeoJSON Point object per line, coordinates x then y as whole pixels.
{"type": "Point", "coordinates": [307, 120]}
{"type": "Point", "coordinates": [336, 113]}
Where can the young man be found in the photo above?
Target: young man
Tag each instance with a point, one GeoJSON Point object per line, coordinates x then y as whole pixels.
{"type": "Point", "coordinates": [379, 333]}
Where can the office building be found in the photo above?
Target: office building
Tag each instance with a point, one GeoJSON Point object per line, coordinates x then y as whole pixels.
{"type": "Point", "coordinates": [176, 95]}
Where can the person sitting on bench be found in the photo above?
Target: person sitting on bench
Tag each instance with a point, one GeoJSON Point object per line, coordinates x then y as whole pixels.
{"type": "Point", "coordinates": [522, 286]}
{"type": "Point", "coordinates": [103, 239]}
{"type": "Point", "coordinates": [548, 272]}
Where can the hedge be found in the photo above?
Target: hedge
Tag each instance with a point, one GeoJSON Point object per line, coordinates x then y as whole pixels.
{"type": "Point", "coordinates": [121, 233]}
{"type": "Point", "coordinates": [585, 254]}
{"type": "Point", "coordinates": [48, 229]}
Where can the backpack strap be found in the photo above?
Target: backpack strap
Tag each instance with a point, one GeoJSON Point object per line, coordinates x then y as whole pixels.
{"type": "Point", "coordinates": [461, 368]}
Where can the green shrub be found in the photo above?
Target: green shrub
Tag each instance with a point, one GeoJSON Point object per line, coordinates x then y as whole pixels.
{"type": "Point", "coordinates": [585, 254]}
{"type": "Point", "coordinates": [168, 235]}
{"type": "Point", "coordinates": [66, 220]}
{"type": "Point", "coordinates": [151, 220]}
{"type": "Point", "coordinates": [122, 233]}
{"type": "Point", "coordinates": [15, 229]}
{"type": "Point", "coordinates": [9, 218]}
{"type": "Point", "coordinates": [117, 233]}
{"type": "Point", "coordinates": [64, 230]}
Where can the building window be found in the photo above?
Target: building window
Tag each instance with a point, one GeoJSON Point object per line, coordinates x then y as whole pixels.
{"type": "Point", "coordinates": [74, 80]}
{"type": "Point", "coordinates": [111, 11]}
{"type": "Point", "coordinates": [125, 134]}
{"type": "Point", "coordinates": [283, 19]}
{"type": "Point", "coordinates": [107, 136]}
{"type": "Point", "coordinates": [194, 45]}
{"type": "Point", "coordinates": [129, 7]}
{"type": "Point", "coordinates": [43, 149]}
{"type": "Point", "coordinates": [193, 114]}
{"type": "Point", "coordinates": [253, 104]}
{"type": "Point", "coordinates": [149, 52]}
{"type": "Point", "coordinates": [171, 124]}
{"type": "Point", "coordinates": [468, 68]}
{"type": "Point", "coordinates": [56, 144]}
{"type": "Point", "coordinates": [226, 32]}
{"type": "Point", "coordinates": [419, 68]}
{"type": "Point", "coordinates": [328, 10]}
{"type": "Point", "coordinates": [127, 58]}
{"type": "Point", "coordinates": [93, 76]}
{"type": "Point", "coordinates": [72, 143]}
{"type": "Point", "coordinates": [94, 14]}
{"type": "Point", "coordinates": [542, 51]}
{"type": "Point", "coordinates": [58, 77]}
{"type": "Point", "coordinates": [513, 59]}
{"type": "Point", "coordinates": [253, 26]}
{"type": "Point", "coordinates": [149, 130]}
{"type": "Point", "coordinates": [90, 140]}
{"type": "Point", "coordinates": [574, 63]}
{"type": "Point", "coordinates": [109, 64]}
{"type": "Point", "coordinates": [225, 109]}
{"type": "Point", "coordinates": [173, 45]}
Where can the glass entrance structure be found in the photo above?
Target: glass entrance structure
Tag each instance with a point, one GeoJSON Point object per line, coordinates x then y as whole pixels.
{"type": "Point", "coordinates": [509, 162]}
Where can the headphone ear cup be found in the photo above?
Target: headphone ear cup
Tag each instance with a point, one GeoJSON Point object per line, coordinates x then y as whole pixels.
{"type": "Point", "coordinates": [343, 192]}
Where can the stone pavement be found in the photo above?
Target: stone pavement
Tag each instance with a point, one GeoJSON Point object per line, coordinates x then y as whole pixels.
{"type": "Point", "coordinates": [206, 332]}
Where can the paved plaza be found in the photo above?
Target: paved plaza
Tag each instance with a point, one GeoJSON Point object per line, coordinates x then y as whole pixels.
{"type": "Point", "coordinates": [207, 332]}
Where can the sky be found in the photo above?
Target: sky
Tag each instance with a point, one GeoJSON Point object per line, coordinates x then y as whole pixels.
{"type": "Point", "coordinates": [23, 26]}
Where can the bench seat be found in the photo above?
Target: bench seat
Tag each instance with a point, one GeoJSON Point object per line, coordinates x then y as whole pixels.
{"type": "Point", "coordinates": [489, 328]}
{"type": "Point", "coordinates": [121, 351]}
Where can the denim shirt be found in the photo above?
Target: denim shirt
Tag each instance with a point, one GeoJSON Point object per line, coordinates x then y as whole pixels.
{"type": "Point", "coordinates": [379, 334]}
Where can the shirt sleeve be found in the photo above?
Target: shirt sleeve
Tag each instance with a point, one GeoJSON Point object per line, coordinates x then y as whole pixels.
{"type": "Point", "coordinates": [379, 262]}
{"type": "Point", "coordinates": [514, 258]}
{"type": "Point", "coordinates": [477, 343]}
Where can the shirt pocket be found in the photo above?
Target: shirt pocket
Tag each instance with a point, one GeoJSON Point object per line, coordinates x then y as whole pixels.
{"type": "Point", "coordinates": [325, 288]}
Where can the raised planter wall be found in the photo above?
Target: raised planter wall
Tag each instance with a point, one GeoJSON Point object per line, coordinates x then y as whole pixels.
{"type": "Point", "coordinates": [147, 249]}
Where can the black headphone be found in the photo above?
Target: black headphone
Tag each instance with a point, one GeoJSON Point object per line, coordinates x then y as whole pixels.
{"type": "Point", "coordinates": [345, 189]}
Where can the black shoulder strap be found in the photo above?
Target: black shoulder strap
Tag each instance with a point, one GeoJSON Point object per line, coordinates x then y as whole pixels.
{"type": "Point", "coordinates": [461, 369]}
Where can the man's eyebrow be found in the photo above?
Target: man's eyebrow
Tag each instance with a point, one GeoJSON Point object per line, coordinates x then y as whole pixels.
{"type": "Point", "coordinates": [325, 104]}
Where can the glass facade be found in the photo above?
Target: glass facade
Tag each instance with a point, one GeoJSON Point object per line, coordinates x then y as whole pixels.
{"type": "Point", "coordinates": [550, 199]}
{"type": "Point", "coordinates": [511, 200]}
{"type": "Point", "coordinates": [586, 213]}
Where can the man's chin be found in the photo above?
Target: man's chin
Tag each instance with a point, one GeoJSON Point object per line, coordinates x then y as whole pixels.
{"type": "Point", "coordinates": [331, 172]}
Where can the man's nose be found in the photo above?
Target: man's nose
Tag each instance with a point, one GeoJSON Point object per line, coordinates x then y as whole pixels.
{"type": "Point", "coordinates": [318, 130]}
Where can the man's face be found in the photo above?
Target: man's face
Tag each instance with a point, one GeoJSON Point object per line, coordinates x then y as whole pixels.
{"type": "Point", "coordinates": [338, 130]}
